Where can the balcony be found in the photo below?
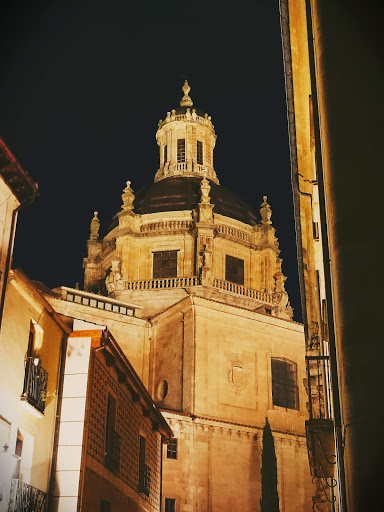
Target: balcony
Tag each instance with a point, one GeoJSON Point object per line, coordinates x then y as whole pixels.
{"type": "Point", "coordinates": [320, 427]}
{"type": "Point", "coordinates": [112, 454]}
{"type": "Point", "coordinates": [25, 498]}
{"type": "Point", "coordinates": [145, 479]}
{"type": "Point", "coordinates": [35, 384]}
{"type": "Point", "coordinates": [319, 387]}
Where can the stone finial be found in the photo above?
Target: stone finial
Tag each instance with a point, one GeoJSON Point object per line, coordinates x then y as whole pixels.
{"type": "Point", "coordinates": [205, 188]}
{"type": "Point", "coordinates": [186, 100]}
{"type": "Point", "coordinates": [95, 225]}
{"type": "Point", "coordinates": [265, 212]}
{"type": "Point", "coordinates": [128, 198]}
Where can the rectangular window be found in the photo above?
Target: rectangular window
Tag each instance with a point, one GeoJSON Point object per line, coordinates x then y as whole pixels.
{"type": "Point", "coordinates": [19, 444]}
{"type": "Point", "coordinates": [144, 470]}
{"type": "Point", "coordinates": [105, 506]}
{"type": "Point", "coordinates": [170, 505]}
{"type": "Point", "coordinates": [284, 383]}
{"type": "Point", "coordinates": [199, 152]}
{"type": "Point", "coordinates": [234, 270]}
{"type": "Point", "coordinates": [165, 154]}
{"type": "Point", "coordinates": [180, 150]}
{"type": "Point", "coordinates": [172, 449]}
{"type": "Point", "coordinates": [316, 234]}
{"type": "Point", "coordinates": [112, 438]}
{"type": "Point", "coordinates": [164, 264]}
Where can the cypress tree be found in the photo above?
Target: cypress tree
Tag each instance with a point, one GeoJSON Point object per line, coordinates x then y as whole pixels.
{"type": "Point", "coordinates": [269, 501]}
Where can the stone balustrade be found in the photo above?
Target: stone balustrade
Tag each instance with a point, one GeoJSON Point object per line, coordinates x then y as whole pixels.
{"type": "Point", "coordinates": [167, 225]}
{"type": "Point", "coordinates": [238, 289]}
{"type": "Point", "coordinates": [157, 284]}
{"type": "Point", "coordinates": [186, 117]}
{"type": "Point", "coordinates": [185, 282]}
{"type": "Point", "coordinates": [236, 233]}
{"type": "Point", "coordinates": [182, 166]}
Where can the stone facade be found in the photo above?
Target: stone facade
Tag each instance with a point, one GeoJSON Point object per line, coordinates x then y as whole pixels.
{"type": "Point", "coordinates": [107, 415]}
{"type": "Point", "coordinates": [31, 348]}
{"type": "Point", "coordinates": [207, 276]}
{"type": "Point", "coordinates": [216, 359]}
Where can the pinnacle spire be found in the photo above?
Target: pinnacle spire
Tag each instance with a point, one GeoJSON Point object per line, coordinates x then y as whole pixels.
{"type": "Point", "coordinates": [265, 212]}
{"type": "Point", "coordinates": [95, 225]}
{"type": "Point", "coordinates": [186, 100]}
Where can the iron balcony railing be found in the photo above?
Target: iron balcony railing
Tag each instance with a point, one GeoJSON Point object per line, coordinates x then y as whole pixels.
{"type": "Point", "coordinates": [145, 479]}
{"type": "Point", "coordinates": [319, 387]}
{"type": "Point", "coordinates": [35, 384]}
{"type": "Point", "coordinates": [25, 498]}
{"type": "Point", "coordinates": [112, 454]}
{"type": "Point", "coordinates": [320, 432]}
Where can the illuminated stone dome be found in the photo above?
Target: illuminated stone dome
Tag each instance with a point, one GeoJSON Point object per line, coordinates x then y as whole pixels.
{"type": "Point", "coordinates": [184, 233]}
{"type": "Point", "coordinates": [183, 193]}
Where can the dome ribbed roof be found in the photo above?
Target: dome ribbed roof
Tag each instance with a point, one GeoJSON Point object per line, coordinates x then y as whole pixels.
{"type": "Point", "coordinates": [183, 193]}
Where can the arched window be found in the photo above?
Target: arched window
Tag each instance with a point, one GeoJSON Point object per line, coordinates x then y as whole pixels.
{"type": "Point", "coordinates": [284, 383]}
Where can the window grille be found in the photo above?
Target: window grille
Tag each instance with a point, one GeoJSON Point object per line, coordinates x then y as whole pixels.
{"type": "Point", "coordinates": [164, 264]}
{"type": "Point", "coordinates": [180, 150]}
{"type": "Point", "coordinates": [172, 449]}
{"type": "Point", "coordinates": [284, 383]}
{"type": "Point", "coordinates": [144, 469]}
{"type": "Point", "coordinates": [199, 152]}
{"type": "Point", "coordinates": [112, 438]}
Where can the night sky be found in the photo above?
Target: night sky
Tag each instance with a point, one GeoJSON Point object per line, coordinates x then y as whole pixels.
{"type": "Point", "coordinates": [83, 86]}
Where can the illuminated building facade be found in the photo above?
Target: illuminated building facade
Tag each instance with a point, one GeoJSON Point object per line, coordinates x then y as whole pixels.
{"type": "Point", "coordinates": [333, 70]}
{"type": "Point", "coordinates": [202, 271]}
{"type": "Point", "coordinates": [32, 342]}
{"type": "Point", "coordinates": [110, 432]}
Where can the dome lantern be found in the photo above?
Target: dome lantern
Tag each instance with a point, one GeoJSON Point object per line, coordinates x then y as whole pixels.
{"type": "Point", "coordinates": [186, 140]}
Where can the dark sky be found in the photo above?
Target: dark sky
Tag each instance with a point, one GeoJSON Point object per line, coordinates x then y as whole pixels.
{"type": "Point", "coordinates": [84, 85]}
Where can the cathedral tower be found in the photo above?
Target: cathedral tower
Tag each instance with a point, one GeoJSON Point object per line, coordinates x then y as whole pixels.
{"type": "Point", "coordinates": [224, 352]}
